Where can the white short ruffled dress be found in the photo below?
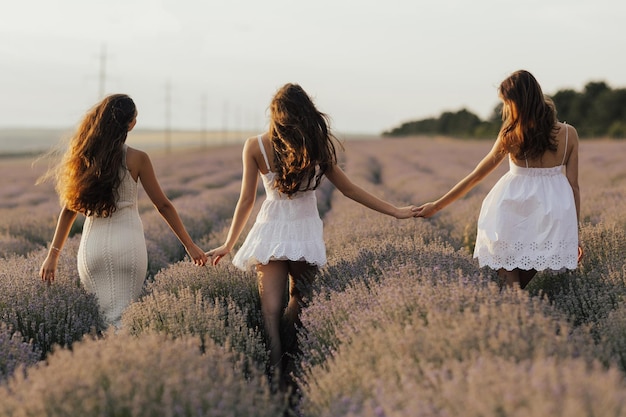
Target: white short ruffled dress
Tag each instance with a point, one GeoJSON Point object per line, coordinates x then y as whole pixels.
{"type": "Point", "coordinates": [528, 221]}
{"type": "Point", "coordinates": [286, 228]}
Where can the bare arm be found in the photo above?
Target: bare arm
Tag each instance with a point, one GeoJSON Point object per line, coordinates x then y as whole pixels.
{"type": "Point", "coordinates": [358, 194]}
{"type": "Point", "coordinates": [484, 168]}
{"type": "Point", "coordinates": [247, 197]}
{"type": "Point", "coordinates": [571, 169]}
{"type": "Point", "coordinates": [571, 172]}
{"type": "Point", "coordinates": [165, 207]}
{"type": "Point", "coordinates": [64, 224]}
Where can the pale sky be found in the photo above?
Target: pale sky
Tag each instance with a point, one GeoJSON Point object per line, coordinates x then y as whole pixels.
{"type": "Point", "coordinates": [370, 65]}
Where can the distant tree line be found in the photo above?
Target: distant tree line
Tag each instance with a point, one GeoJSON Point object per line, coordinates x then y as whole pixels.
{"type": "Point", "coordinates": [597, 111]}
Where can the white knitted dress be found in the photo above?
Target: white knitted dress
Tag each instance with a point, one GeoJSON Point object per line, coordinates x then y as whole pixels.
{"type": "Point", "coordinates": [112, 256]}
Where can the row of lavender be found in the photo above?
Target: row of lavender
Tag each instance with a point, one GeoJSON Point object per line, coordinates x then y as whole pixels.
{"type": "Point", "coordinates": [402, 323]}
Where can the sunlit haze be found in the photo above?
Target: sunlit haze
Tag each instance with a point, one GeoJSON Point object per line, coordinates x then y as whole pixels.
{"type": "Point", "coordinates": [371, 65]}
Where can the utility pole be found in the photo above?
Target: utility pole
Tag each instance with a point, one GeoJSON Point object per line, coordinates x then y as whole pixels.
{"type": "Point", "coordinates": [238, 119]}
{"type": "Point", "coordinates": [225, 121]}
{"type": "Point", "coordinates": [203, 120]}
{"type": "Point", "coordinates": [168, 116]}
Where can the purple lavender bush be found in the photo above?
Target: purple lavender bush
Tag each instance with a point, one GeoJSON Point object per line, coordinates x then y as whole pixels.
{"type": "Point", "coordinates": [598, 287]}
{"type": "Point", "coordinates": [150, 375]}
{"type": "Point", "coordinates": [213, 321]}
{"type": "Point", "coordinates": [612, 336]}
{"type": "Point", "coordinates": [14, 352]}
{"type": "Point", "coordinates": [49, 315]}
{"type": "Point", "coordinates": [404, 335]}
{"type": "Point", "coordinates": [224, 283]}
{"type": "Point", "coordinates": [15, 245]}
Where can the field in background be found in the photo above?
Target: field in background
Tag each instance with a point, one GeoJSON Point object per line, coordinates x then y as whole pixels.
{"type": "Point", "coordinates": [403, 322]}
{"type": "Point", "coordinates": [21, 141]}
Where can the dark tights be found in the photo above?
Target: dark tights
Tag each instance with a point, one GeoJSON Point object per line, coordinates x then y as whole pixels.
{"type": "Point", "coordinates": [273, 279]}
{"type": "Point", "coordinates": [517, 276]}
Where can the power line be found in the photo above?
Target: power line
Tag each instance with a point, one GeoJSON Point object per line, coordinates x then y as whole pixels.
{"type": "Point", "coordinates": [203, 120]}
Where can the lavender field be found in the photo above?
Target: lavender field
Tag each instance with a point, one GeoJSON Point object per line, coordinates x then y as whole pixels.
{"type": "Point", "coordinates": [402, 322]}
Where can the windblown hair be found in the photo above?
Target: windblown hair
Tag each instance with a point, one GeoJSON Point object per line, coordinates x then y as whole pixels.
{"type": "Point", "coordinates": [303, 145]}
{"type": "Point", "coordinates": [529, 125]}
{"type": "Point", "coordinates": [89, 174]}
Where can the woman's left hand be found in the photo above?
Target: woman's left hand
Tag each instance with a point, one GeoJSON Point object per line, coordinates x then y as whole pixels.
{"type": "Point", "coordinates": [426, 210]}
{"type": "Point", "coordinates": [406, 212]}
{"type": "Point", "coordinates": [197, 254]}
{"type": "Point", "coordinates": [48, 269]}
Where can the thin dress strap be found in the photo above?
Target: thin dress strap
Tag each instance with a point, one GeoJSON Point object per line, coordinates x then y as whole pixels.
{"type": "Point", "coordinates": [267, 162]}
{"type": "Point", "coordinates": [565, 152]}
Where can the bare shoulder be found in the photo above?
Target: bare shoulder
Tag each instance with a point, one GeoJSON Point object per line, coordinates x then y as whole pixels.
{"type": "Point", "coordinates": [252, 149]}
{"type": "Point", "coordinates": [498, 150]}
{"type": "Point", "coordinates": [135, 154]}
{"type": "Point", "coordinates": [572, 135]}
{"type": "Point", "coordinates": [136, 160]}
{"type": "Point", "coordinates": [251, 143]}
{"type": "Point", "coordinates": [567, 128]}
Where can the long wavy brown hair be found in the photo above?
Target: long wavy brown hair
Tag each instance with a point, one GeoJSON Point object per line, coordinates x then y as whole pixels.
{"type": "Point", "coordinates": [89, 174]}
{"type": "Point", "coordinates": [529, 125]}
{"type": "Point", "coordinates": [303, 144]}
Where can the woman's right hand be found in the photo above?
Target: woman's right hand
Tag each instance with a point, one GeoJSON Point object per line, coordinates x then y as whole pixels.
{"type": "Point", "coordinates": [217, 254]}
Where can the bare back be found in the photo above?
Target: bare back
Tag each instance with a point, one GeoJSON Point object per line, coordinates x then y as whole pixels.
{"type": "Point", "coordinates": [565, 142]}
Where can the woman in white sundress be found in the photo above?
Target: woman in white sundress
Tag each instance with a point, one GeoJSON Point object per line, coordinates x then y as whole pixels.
{"type": "Point", "coordinates": [98, 177]}
{"type": "Point", "coordinates": [285, 244]}
{"type": "Point", "coordinates": [529, 220]}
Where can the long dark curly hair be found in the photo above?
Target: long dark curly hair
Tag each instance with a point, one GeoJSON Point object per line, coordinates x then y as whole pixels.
{"type": "Point", "coordinates": [529, 125]}
{"type": "Point", "coordinates": [89, 174]}
{"type": "Point", "coordinates": [303, 144]}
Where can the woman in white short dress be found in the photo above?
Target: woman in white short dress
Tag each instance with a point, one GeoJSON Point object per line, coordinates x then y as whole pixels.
{"type": "Point", "coordinates": [285, 244]}
{"type": "Point", "coordinates": [529, 220]}
{"type": "Point", "coordinates": [98, 177]}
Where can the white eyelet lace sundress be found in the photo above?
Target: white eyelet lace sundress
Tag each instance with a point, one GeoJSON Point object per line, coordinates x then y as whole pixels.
{"type": "Point", "coordinates": [112, 257]}
{"type": "Point", "coordinates": [286, 228]}
{"type": "Point", "coordinates": [528, 221]}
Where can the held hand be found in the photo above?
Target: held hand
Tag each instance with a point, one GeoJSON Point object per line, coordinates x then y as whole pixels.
{"type": "Point", "coordinates": [217, 254]}
{"type": "Point", "coordinates": [426, 210]}
{"type": "Point", "coordinates": [48, 269]}
{"type": "Point", "coordinates": [581, 253]}
{"type": "Point", "coordinates": [197, 254]}
{"type": "Point", "coordinates": [406, 212]}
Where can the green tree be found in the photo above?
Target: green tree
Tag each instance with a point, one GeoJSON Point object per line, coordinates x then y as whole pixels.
{"type": "Point", "coordinates": [597, 111]}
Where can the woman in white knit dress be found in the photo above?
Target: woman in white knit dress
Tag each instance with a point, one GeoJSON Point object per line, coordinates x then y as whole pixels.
{"type": "Point", "coordinates": [529, 220]}
{"type": "Point", "coordinates": [286, 244]}
{"type": "Point", "coordinates": [98, 177]}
